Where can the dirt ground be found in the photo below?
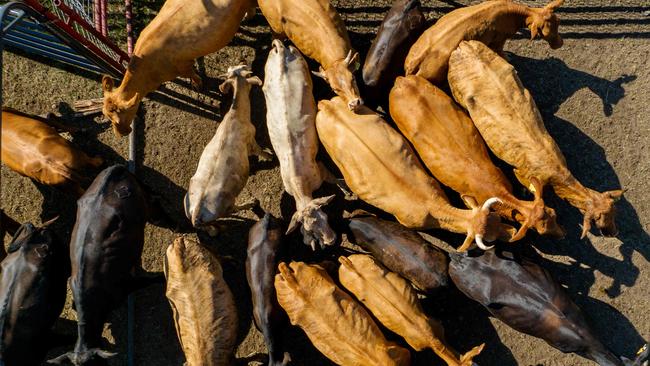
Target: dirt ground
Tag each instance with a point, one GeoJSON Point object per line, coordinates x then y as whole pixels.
{"type": "Point", "coordinates": [593, 94]}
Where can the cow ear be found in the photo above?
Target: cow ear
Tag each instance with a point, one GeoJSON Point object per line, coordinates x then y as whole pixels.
{"type": "Point", "coordinates": [469, 201]}
{"type": "Point", "coordinates": [225, 87]}
{"type": "Point", "coordinates": [107, 83]}
{"type": "Point", "coordinates": [554, 5]}
{"type": "Point", "coordinates": [354, 62]}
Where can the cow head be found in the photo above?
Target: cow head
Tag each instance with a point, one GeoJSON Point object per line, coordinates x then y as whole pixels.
{"type": "Point", "coordinates": [601, 210]}
{"type": "Point", "coordinates": [543, 219]}
{"type": "Point", "coordinates": [340, 77]}
{"type": "Point", "coordinates": [119, 110]}
{"type": "Point", "coordinates": [236, 74]}
{"type": "Point", "coordinates": [545, 23]}
{"type": "Point", "coordinates": [483, 225]}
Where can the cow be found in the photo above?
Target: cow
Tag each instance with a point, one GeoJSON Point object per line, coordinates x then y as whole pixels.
{"type": "Point", "coordinates": [527, 298]}
{"type": "Point", "coordinates": [32, 148]}
{"type": "Point", "coordinates": [402, 251]}
{"type": "Point", "coordinates": [182, 31]}
{"type": "Point", "coordinates": [205, 313]}
{"type": "Point", "coordinates": [334, 322]}
{"type": "Point", "coordinates": [392, 300]}
{"type": "Point", "coordinates": [401, 27]}
{"type": "Point", "coordinates": [379, 166]}
{"type": "Point", "coordinates": [264, 244]}
{"type": "Point", "coordinates": [32, 293]}
{"type": "Point", "coordinates": [454, 152]}
{"type": "Point", "coordinates": [491, 22]}
{"type": "Point", "coordinates": [105, 252]}
{"type": "Point", "coordinates": [223, 168]}
{"type": "Point", "coordinates": [290, 118]}
{"type": "Point", "coordinates": [317, 30]}
{"type": "Point", "coordinates": [505, 114]}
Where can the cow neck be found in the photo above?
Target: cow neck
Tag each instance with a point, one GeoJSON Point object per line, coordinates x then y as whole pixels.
{"type": "Point", "coordinates": [241, 101]}
{"type": "Point", "coordinates": [451, 218]}
{"type": "Point", "coordinates": [143, 82]}
{"type": "Point", "coordinates": [515, 14]}
{"type": "Point", "coordinates": [575, 193]}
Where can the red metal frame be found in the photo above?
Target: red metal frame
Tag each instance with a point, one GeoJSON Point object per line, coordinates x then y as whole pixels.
{"type": "Point", "coordinates": [112, 54]}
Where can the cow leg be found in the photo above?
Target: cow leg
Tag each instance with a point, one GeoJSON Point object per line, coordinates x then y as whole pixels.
{"type": "Point", "coordinates": [262, 154]}
{"type": "Point", "coordinates": [329, 177]}
{"type": "Point", "coordinates": [189, 72]}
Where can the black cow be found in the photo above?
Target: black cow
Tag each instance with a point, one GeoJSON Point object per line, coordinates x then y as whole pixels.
{"type": "Point", "coordinates": [402, 251]}
{"type": "Point", "coordinates": [32, 294]}
{"type": "Point", "coordinates": [264, 242]}
{"type": "Point", "coordinates": [402, 26]}
{"type": "Point", "coordinates": [105, 251]}
{"type": "Point", "coordinates": [527, 298]}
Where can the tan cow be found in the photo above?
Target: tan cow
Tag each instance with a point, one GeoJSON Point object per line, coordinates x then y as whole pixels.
{"type": "Point", "coordinates": [335, 323]}
{"type": "Point", "coordinates": [505, 114]}
{"type": "Point", "coordinates": [317, 30]}
{"type": "Point", "coordinates": [223, 168]}
{"type": "Point", "coordinates": [381, 168]}
{"type": "Point", "coordinates": [454, 152]}
{"type": "Point", "coordinates": [491, 22]}
{"type": "Point", "coordinates": [34, 149]}
{"type": "Point", "coordinates": [182, 31]}
{"type": "Point", "coordinates": [395, 304]}
{"type": "Point", "coordinates": [205, 314]}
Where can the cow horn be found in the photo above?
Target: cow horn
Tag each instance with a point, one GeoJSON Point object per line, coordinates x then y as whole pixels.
{"type": "Point", "coordinates": [520, 233]}
{"type": "Point", "coordinates": [489, 202]}
{"type": "Point", "coordinates": [479, 242]}
{"type": "Point", "coordinates": [466, 244]}
{"type": "Point", "coordinates": [586, 225]}
{"type": "Point", "coordinates": [320, 74]}
{"type": "Point", "coordinates": [50, 221]}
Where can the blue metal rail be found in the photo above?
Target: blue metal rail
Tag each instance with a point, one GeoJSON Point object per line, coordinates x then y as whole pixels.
{"type": "Point", "coordinates": [30, 37]}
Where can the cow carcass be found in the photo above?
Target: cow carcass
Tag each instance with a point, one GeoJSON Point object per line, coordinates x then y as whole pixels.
{"type": "Point", "coordinates": [290, 118]}
{"type": "Point", "coordinates": [505, 114]}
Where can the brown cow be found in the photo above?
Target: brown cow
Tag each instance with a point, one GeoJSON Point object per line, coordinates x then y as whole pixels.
{"type": "Point", "coordinates": [381, 168]}
{"type": "Point", "coordinates": [34, 149]}
{"type": "Point", "coordinates": [335, 323]}
{"type": "Point", "coordinates": [491, 22]}
{"type": "Point", "coordinates": [505, 114]}
{"type": "Point", "coordinates": [317, 30]}
{"type": "Point", "coordinates": [182, 31]}
{"type": "Point", "coordinates": [452, 149]}
{"type": "Point", "coordinates": [395, 304]}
